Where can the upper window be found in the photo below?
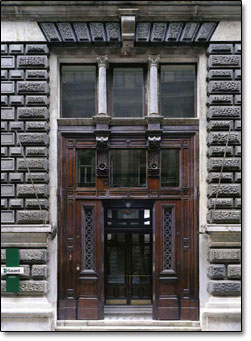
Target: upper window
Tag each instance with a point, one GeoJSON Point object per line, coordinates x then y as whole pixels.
{"type": "Point", "coordinates": [177, 90]}
{"type": "Point", "coordinates": [86, 159]}
{"type": "Point", "coordinates": [170, 172]}
{"type": "Point", "coordinates": [128, 91]}
{"type": "Point", "coordinates": [78, 91]}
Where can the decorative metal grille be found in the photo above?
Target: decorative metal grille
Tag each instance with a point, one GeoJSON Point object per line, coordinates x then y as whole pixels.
{"type": "Point", "coordinates": [89, 242]}
{"type": "Point", "coordinates": [167, 239]}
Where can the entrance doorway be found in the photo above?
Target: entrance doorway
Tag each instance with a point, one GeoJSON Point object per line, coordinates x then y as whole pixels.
{"type": "Point", "coordinates": [128, 255]}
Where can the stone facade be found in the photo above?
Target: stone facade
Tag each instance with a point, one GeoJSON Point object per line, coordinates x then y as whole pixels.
{"type": "Point", "coordinates": [24, 114]}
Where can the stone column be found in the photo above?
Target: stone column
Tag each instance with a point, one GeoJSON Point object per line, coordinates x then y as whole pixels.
{"type": "Point", "coordinates": [153, 85]}
{"type": "Point", "coordinates": [102, 95]}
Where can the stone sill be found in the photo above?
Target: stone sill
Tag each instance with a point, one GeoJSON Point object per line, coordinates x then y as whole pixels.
{"type": "Point", "coordinates": [45, 228]}
{"type": "Point", "coordinates": [214, 228]}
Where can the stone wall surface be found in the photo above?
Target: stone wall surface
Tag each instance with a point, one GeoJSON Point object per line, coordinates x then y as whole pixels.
{"type": "Point", "coordinates": [24, 119]}
{"type": "Point", "coordinates": [224, 164]}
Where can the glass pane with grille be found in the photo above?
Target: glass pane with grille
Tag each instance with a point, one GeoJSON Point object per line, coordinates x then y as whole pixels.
{"type": "Point", "coordinates": [128, 92]}
{"type": "Point", "coordinates": [170, 168]}
{"type": "Point", "coordinates": [177, 91]}
{"type": "Point", "coordinates": [88, 240]}
{"type": "Point", "coordinates": [86, 167]}
{"type": "Point", "coordinates": [167, 239]}
{"type": "Point", "coordinates": [128, 168]}
{"type": "Point", "coordinates": [78, 91]}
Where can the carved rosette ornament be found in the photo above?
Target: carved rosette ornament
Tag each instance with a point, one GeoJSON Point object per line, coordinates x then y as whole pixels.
{"type": "Point", "coordinates": [154, 156]}
{"type": "Point", "coordinates": [102, 156]}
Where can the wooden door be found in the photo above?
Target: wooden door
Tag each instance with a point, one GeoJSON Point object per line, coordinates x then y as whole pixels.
{"type": "Point", "coordinates": [175, 255]}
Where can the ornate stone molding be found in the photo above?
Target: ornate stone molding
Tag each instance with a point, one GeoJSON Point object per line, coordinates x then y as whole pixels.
{"type": "Point", "coordinates": [154, 156]}
{"type": "Point", "coordinates": [102, 61]}
{"type": "Point", "coordinates": [154, 60]}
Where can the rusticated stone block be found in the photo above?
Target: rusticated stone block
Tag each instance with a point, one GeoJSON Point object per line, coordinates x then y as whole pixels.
{"type": "Point", "coordinates": [232, 164]}
{"type": "Point", "coordinates": [237, 99]}
{"type": "Point", "coordinates": [37, 177]}
{"type": "Point", "coordinates": [237, 177]}
{"type": "Point", "coordinates": [25, 275]}
{"type": "Point", "coordinates": [220, 151]}
{"type": "Point", "coordinates": [237, 202]}
{"type": "Point", "coordinates": [31, 203]}
{"type": "Point", "coordinates": [221, 203]}
{"type": "Point", "coordinates": [225, 255]}
{"type": "Point", "coordinates": [16, 100]}
{"type": "Point", "coordinates": [4, 48]}
{"type": "Point", "coordinates": [223, 61]}
{"type": "Point", "coordinates": [220, 125]}
{"type": "Point", "coordinates": [4, 126]}
{"type": "Point", "coordinates": [16, 74]}
{"type": "Point", "coordinates": [237, 74]}
{"type": "Point", "coordinates": [4, 151]}
{"type": "Point", "coordinates": [225, 177]}
{"type": "Point", "coordinates": [16, 177]}
{"type": "Point", "coordinates": [33, 256]}
{"type": "Point", "coordinates": [7, 217]}
{"type": "Point", "coordinates": [233, 138]}
{"type": "Point", "coordinates": [220, 48]}
{"type": "Point", "coordinates": [29, 287]}
{"type": "Point", "coordinates": [238, 150]}
{"type": "Point", "coordinates": [237, 48]}
{"type": "Point", "coordinates": [7, 88]}
{"type": "Point", "coordinates": [8, 62]}
{"type": "Point", "coordinates": [234, 271]}
{"type": "Point", "coordinates": [28, 190]}
{"type": "Point", "coordinates": [33, 164]}
{"type": "Point", "coordinates": [32, 217]}
{"type": "Point", "coordinates": [36, 151]}
{"type": "Point", "coordinates": [237, 125]}
{"type": "Point", "coordinates": [16, 49]}
{"type": "Point", "coordinates": [4, 74]}
{"type": "Point", "coordinates": [39, 271]}
{"type": "Point", "coordinates": [224, 288]}
{"type": "Point", "coordinates": [7, 190]}
{"type": "Point", "coordinates": [26, 87]}
{"type": "Point", "coordinates": [224, 112]}
{"type": "Point", "coordinates": [228, 190]}
{"type": "Point", "coordinates": [220, 74]}
{"type": "Point", "coordinates": [4, 203]}
{"type": "Point", "coordinates": [36, 49]}
{"type": "Point", "coordinates": [7, 164]}
{"type": "Point", "coordinates": [36, 74]}
{"type": "Point", "coordinates": [4, 177]}
{"type": "Point", "coordinates": [36, 125]}
{"type": "Point", "coordinates": [224, 86]}
{"type": "Point", "coordinates": [32, 113]}
{"type": "Point", "coordinates": [16, 203]}
{"type": "Point", "coordinates": [7, 114]}
{"type": "Point", "coordinates": [4, 100]}
{"type": "Point", "coordinates": [33, 138]}
{"type": "Point", "coordinates": [16, 126]}
{"type": "Point", "coordinates": [227, 216]}
{"type": "Point", "coordinates": [32, 62]}
{"type": "Point", "coordinates": [14, 151]}
{"type": "Point", "coordinates": [216, 271]}
{"type": "Point", "coordinates": [36, 100]}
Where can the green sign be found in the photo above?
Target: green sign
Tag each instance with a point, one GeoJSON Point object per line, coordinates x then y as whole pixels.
{"type": "Point", "coordinates": [12, 260]}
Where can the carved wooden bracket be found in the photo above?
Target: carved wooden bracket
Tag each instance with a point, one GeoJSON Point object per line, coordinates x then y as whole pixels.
{"type": "Point", "coordinates": [102, 155]}
{"type": "Point", "coordinates": [154, 156]}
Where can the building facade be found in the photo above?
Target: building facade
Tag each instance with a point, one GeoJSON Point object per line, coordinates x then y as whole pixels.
{"type": "Point", "coordinates": [121, 165]}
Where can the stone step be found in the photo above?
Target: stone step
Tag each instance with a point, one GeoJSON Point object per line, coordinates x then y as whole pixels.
{"type": "Point", "coordinates": [121, 327]}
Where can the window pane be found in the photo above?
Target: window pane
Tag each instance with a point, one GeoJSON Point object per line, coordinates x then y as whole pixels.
{"type": "Point", "coordinates": [177, 90]}
{"type": "Point", "coordinates": [170, 168]}
{"type": "Point", "coordinates": [86, 168]}
{"type": "Point", "coordinates": [78, 91]}
{"type": "Point", "coordinates": [128, 168]}
{"type": "Point", "coordinates": [128, 87]}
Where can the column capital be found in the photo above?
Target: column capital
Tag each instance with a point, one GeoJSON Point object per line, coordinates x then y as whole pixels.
{"type": "Point", "coordinates": [102, 61]}
{"type": "Point", "coordinates": [154, 60]}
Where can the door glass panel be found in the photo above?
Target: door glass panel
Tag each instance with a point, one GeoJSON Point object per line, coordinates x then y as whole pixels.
{"type": "Point", "coordinates": [177, 90]}
{"type": "Point", "coordinates": [128, 168]}
{"type": "Point", "coordinates": [141, 259]}
{"type": "Point", "coordinates": [128, 87]}
{"type": "Point", "coordinates": [115, 272]}
{"type": "Point", "coordinates": [78, 87]}
{"type": "Point", "coordinates": [86, 161]}
{"type": "Point", "coordinates": [170, 168]}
